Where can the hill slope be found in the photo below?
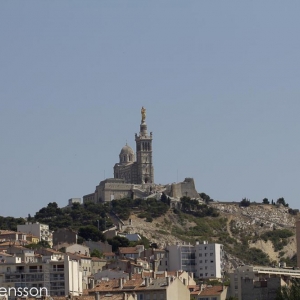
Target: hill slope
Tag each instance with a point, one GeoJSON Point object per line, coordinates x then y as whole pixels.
{"type": "Point", "coordinates": [258, 234]}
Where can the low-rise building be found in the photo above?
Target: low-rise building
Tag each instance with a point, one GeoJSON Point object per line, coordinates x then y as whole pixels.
{"type": "Point", "coordinates": [257, 279]}
{"type": "Point", "coordinates": [32, 239]}
{"type": "Point", "coordinates": [147, 288]}
{"type": "Point", "coordinates": [64, 235]}
{"type": "Point", "coordinates": [77, 248]}
{"type": "Point", "coordinates": [97, 264]}
{"type": "Point", "coordinates": [217, 292]}
{"type": "Point", "coordinates": [100, 246]}
{"type": "Point", "coordinates": [8, 235]}
{"type": "Point", "coordinates": [131, 252]}
{"type": "Point", "coordinates": [110, 274]}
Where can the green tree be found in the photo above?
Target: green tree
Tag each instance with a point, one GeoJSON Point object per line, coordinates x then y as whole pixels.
{"type": "Point", "coordinates": [245, 202]}
{"type": "Point", "coordinates": [266, 201]}
{"type": "Point", "coordinates": [118, 241]}
{"type": "Point", "coordinates": [291, 292]}
{"type": "Point", "coordinates": [40, 244]}
{"type": "Point", "coordinates": [281, 201]}
{"type": "Point", "coordinates": [91, 232]}
{"type": "Point", "coordinates": [96, 253]}
{"type": "Point", "coordinates": [205, 197]}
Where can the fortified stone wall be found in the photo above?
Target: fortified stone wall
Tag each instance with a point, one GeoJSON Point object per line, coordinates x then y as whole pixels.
{"type": "Point", "coordinates": [185, 188]}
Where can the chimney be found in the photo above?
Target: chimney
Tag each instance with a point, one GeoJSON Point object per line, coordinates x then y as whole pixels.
{"type": "Point", "coordinates": [91, 283]}
{"type": "Point", "coordinates": [177, 274]}
{"type": "Point", "coordinates": [120, 283]}
{"type": "Point", "coordinates": [168, 280]}
{"type": "Point", "coordinates": [97, 296]}
{"type": "Point", "coordinates": [130, 275]}
{"type": "Point", "coordinates": [147, 281]}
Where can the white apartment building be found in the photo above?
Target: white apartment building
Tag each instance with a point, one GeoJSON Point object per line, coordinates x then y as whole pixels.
{"type": "Point", "coordinates": [40, 230]}
{"type": "Point", "coordinates": [203, 260]}
{"type": "Point", "coordinates": [60, 277]}
{"type": "Point", "coordinates": [209, 260]}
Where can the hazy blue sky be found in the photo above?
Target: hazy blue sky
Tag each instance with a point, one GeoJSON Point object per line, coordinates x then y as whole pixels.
{"type": "Point", "coordinates": [220, 81]}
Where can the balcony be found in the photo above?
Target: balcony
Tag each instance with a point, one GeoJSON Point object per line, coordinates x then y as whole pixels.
{"type": "Point", "coordinates": [58, 270]}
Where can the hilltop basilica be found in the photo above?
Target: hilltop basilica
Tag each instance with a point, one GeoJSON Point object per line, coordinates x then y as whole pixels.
{"type": "Point", "coordinates": [134, 174]}
{"type": "Point", "coordinates": [137, 169]}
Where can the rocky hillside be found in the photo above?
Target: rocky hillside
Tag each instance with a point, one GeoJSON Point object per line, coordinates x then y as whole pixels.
{"type": "Point", "coordinates": [258, 234]}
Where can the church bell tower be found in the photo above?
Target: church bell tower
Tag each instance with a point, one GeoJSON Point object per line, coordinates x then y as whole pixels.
{"type": "Point", "coordinates": [143, 141]}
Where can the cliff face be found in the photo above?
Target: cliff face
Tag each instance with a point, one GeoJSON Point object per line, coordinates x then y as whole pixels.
{"type": "Point", "coordinates": [230, 228]}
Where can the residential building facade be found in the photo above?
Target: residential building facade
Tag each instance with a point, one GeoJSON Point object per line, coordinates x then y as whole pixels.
{"type": "Point", "coordinates": [40, 230]}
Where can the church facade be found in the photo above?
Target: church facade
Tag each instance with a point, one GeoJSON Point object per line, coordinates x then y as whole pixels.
{"type": "Point", "coordinates": [133, 174]}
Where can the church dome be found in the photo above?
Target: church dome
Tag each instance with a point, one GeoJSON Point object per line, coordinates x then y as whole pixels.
{"type": "Point", "coordinates": [126, 154]}
{"type": "Point", "coordinates": [126, 150]}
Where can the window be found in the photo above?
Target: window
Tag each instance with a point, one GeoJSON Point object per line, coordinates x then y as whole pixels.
{"type": "Point", "coordinates": [141, 297]}
{"type": "Point", "coordinates": [211, 254]}
{"type": "Point", "coordinates": [200, 254]}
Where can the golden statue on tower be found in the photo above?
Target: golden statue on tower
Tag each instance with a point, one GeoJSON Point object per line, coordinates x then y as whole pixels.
{"type": "Point", "coordinates": [143, 112]}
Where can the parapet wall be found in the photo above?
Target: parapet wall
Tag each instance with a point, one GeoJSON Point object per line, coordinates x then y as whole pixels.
{"type": "Point", "coordinates": [185, 188]}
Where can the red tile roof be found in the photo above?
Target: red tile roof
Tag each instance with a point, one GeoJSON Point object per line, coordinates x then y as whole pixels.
{"type": "Point", "coordinates": [128, 250]}
{"type": "Point", "coordinates": [212, 291]}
